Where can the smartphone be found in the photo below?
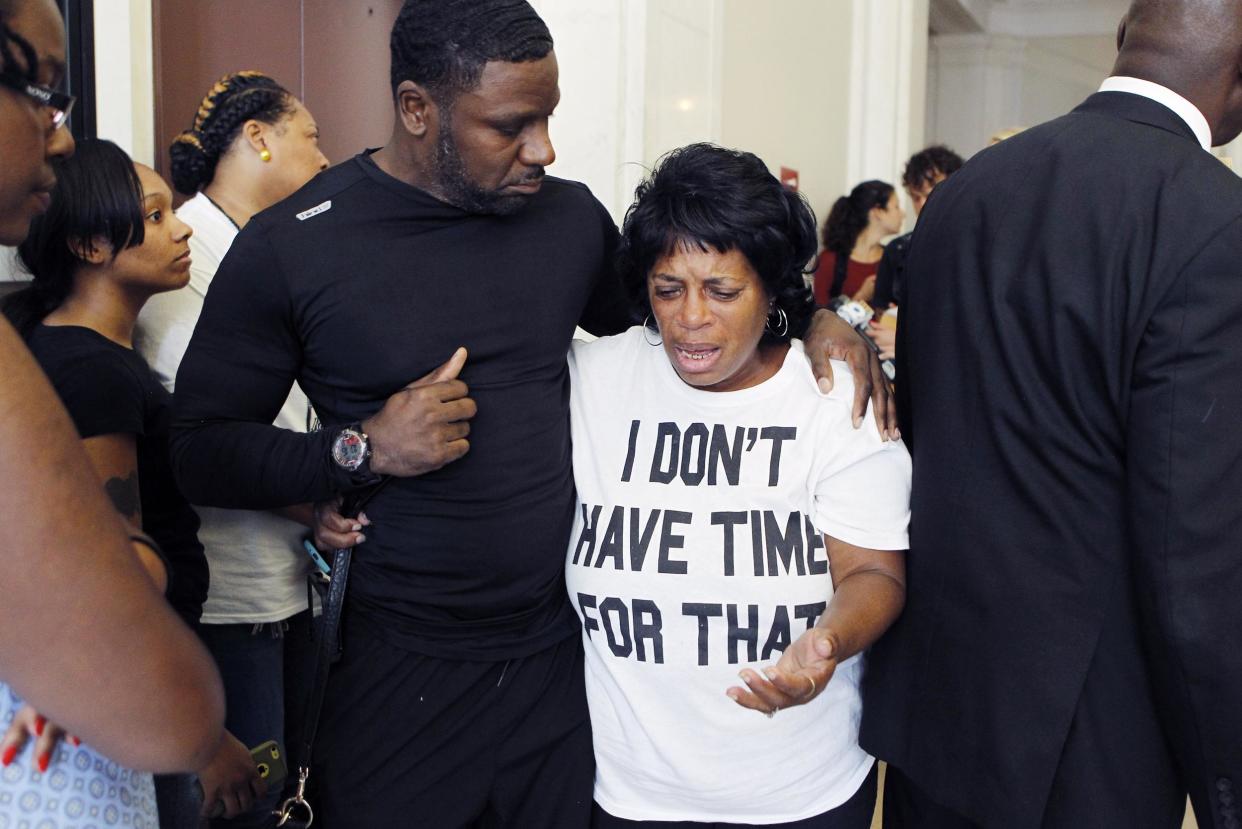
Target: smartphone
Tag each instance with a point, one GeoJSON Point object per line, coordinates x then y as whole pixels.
{"type": "Point", "coordinates": [311, 551]}
{"type": "Point", "coordinates": [269, 757]}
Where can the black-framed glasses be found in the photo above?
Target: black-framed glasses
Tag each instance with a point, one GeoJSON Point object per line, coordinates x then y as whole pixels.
{"type": "Point", "coordinates": [59, 104]}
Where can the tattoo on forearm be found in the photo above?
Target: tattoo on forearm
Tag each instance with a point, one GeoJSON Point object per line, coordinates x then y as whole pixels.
{"type": "Point", "coordinates": [124, 494]}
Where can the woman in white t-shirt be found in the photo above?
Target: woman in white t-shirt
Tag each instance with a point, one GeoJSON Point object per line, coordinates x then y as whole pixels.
{"type": "Point", "coordinates": [251, 145]}
{"type": "Point", "coordinates": [738, 543]}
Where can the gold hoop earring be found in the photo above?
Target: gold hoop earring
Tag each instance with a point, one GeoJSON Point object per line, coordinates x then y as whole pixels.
{"type": "Point", "coordinates": [265, 155]}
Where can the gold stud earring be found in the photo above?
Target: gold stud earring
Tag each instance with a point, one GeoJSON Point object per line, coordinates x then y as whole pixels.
{"type": "Point", "coordinates": [265, 154]}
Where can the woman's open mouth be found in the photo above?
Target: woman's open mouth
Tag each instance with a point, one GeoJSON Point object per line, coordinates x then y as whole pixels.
{"type": "Point", "coordinates": [696, 357]}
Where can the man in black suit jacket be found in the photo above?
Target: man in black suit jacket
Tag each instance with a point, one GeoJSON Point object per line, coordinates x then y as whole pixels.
{"type": "Point", "coordinates": [1070, 650]}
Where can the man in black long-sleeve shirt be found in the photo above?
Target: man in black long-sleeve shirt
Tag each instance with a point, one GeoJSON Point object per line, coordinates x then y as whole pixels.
{"type": "Point", "coordinates": [460, 690]}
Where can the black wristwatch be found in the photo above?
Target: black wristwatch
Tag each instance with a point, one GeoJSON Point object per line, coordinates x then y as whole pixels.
{"type": "Point", "coordinates": [351, 451]}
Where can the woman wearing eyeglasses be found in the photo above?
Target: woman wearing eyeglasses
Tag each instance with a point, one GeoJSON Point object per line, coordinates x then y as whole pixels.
{"type": "Point", "coordinates": [31, 63]}
{"type": "Point", "coordinates": [83, 631]}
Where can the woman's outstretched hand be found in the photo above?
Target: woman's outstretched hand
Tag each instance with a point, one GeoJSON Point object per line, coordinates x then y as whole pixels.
{"type": "Point", "coordinates": [799, 676]}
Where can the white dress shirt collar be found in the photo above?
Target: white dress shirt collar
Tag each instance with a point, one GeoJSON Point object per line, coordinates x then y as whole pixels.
{"type": "Point", "coordinates": [1184, 109]}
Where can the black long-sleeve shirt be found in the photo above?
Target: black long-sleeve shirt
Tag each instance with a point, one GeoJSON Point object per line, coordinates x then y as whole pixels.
{"type": "Point", "coordinates": [356, 286]}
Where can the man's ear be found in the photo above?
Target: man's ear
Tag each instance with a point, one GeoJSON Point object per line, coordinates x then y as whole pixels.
{"type": "Point", "coordinates": [93, 251]}
{"type": "Point", "coordinates": [1121, 32]}
{"type": "Point", "coordinates": [416, 109]}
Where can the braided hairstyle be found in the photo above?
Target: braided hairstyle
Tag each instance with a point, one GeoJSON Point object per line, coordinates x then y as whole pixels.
{"type": "Point", "coordinates": [235, 99]}
{"type": "Point", "coordinates": [443, 44]}
{"type": "Point", "coordinates": [98, 195]}
{"type": "Point", "coordinates": [851, 214]}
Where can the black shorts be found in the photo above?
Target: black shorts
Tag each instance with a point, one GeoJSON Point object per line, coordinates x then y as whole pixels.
{"type": "Point", "coordinates": [855, 813]}
{"type": "Point", "coordinates": [410, 740]}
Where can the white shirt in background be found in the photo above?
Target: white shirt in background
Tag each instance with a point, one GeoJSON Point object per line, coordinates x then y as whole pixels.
{"type": "Point", "coordinates": [258, 567]}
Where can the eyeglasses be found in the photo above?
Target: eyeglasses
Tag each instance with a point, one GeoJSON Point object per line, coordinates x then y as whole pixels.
{"type": "Point", "coordinates": [59, 104]}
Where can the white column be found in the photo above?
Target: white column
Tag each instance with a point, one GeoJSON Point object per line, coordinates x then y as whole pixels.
{"type": "Point", "coordinates": [887, 81]}
{"type": "Point", "coordinates": [683, 89]}
{"type": "Point", "coordinates": [124, 76]}
{"type": "Point", "coordinates": [598, 128]}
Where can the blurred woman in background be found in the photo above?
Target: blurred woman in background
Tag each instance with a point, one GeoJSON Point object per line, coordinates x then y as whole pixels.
{"type": "Point", "coordinates": [252, 144]}
{"type": "Point", "coordinates": [852, 235]}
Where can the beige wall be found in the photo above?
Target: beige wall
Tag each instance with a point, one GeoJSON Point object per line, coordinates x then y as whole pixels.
{"type": "Point", "coordinates": [785, 86]}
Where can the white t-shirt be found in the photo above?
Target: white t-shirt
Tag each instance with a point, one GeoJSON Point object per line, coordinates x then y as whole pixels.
{"type": "Point", "coordinates": [698, 550]}
{"type": "Point", "coordinates": [257, 564]}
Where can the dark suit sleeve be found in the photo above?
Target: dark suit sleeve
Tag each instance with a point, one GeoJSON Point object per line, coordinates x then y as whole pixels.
{"type": "Point", "coordinates": [1184, 447]}
{"type": "Point", "coordinates": [891, 265]}
{"type": "Point", "coordinates": [240, 364]}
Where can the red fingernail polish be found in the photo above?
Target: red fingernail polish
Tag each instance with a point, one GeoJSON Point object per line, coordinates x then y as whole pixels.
{"type": "Point", "coordinates": [76, 742]}
{"type": "Point", "coordinates": [44, 759]}
{"type": "Point", "coordinates": [40, 723]}
{"type": "Point", "coordinates": [9, 754]}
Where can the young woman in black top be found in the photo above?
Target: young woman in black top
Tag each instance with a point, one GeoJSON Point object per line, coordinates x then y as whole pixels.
{"type": "Point", "coordinates": [108, 242]}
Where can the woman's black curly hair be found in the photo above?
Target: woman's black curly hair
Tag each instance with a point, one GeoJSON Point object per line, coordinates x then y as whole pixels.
{"type": "Point", "coordinates": [722, 199]}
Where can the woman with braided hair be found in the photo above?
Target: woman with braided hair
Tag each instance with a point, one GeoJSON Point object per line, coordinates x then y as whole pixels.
{"type": "Point", "coordinates": [252, 143]}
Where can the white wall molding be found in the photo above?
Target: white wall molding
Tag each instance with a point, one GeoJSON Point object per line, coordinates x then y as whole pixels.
{"type": "Point", "coordinates": [631, 108]}
{"type": "Point", "coordinates": [1045, 18]}
{"type": "Point", "coordinates": [1027, 18]}
{"type": "Point", "coordinates": [683, 85]}
{"type": "Point", "coordinates": [978, 88]}
{"type": "Point", "coordinates": [887, 87]}
{"type": "Point", "coordinates": [982, 83]}
{"type": "Point", "coordinates": [598, 129]}
{"type": "Point", "coordinates": [125, 76]}
{"type": "Point", "coordinates": [957, 16]}
{"type": "Point", "coordinates": [1060, 67]}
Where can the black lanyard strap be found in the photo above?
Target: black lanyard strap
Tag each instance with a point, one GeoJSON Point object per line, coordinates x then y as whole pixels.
{"type": "Point", "coordinates": [296, 812]}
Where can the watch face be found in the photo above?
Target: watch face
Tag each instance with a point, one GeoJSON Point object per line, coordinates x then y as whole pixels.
{"type": "Point", "coordinates": [349, 449]}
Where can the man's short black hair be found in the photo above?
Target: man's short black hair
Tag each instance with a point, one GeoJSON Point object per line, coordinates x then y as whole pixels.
{"type": "Point", "coordinates": [925, 165]}
{"type": "Point", "coordinates": [443, 44]}
{"type": "Point", "coordinates": [706, 196]}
